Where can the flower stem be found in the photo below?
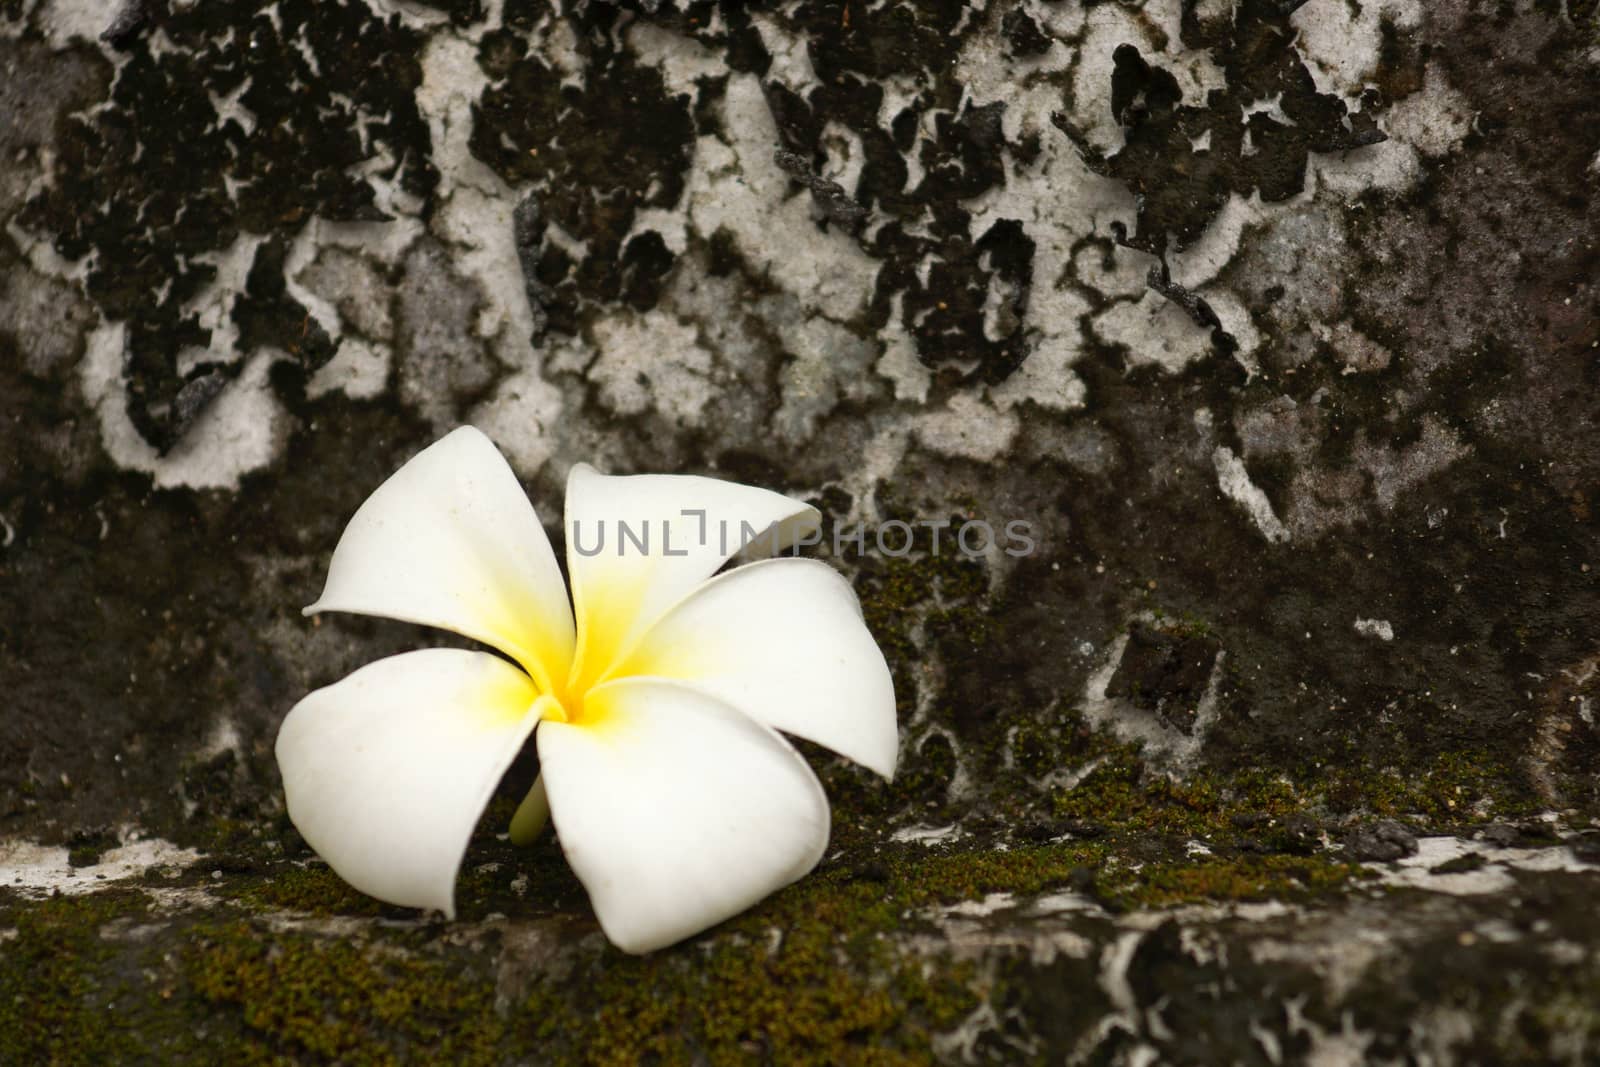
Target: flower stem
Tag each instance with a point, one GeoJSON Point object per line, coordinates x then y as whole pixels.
{"type": "Point", "coordinates": [531, 814]}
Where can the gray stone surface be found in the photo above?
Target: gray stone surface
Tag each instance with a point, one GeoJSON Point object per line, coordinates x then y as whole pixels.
{"type": "Point", "coordinates": [1278, 323]}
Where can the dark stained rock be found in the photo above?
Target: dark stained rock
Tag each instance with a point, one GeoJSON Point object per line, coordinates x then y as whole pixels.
{"type": "Point", "coordinates": [1384, 841]}
{"type": "Point", "coordinates": [1023, 34]}
{"type": "Point", "coordinates": [1260, 337]}
{"type": "Point", "coordinates": [1165, 673]}
{"type": "Point", "coordinates": [1586, 846]}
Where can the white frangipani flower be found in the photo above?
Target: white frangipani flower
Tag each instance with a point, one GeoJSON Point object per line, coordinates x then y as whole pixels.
{"type": "Point", "coordinates": [675, 799]}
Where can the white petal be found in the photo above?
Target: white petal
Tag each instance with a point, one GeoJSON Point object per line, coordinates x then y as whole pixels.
{"type": "Point", "coordinates": [679, 530]}
{"type": "Point", "coordinates": [677, 811]}
{"type": "Point", "coordinates": [784, 642]}
{"type": "Point", "coordinates": [387, 771]}
{"type": "Point", "coordinates": [450, 540]}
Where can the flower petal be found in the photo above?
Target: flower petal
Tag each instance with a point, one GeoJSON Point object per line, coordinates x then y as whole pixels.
{"type": "Point", "coordinates": [387, 771]}
{"type": "Point", "coordinates": [450, 540]}
{"type": "Point", "coordinates": [677, 811]}
{"type": "Point", "coordinates": [637, 543]}
{"type": "Point", "coordinates": [784, 642]}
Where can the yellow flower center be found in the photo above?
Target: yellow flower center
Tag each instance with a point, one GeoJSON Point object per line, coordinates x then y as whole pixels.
{"type": "Point", "coordinates": [568, 707]}
{"type": "Point", "coordinates": [605, 615]}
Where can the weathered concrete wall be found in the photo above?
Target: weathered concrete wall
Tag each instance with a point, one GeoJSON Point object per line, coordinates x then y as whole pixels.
{"type": "Point", "coordinates": [1278, 322]}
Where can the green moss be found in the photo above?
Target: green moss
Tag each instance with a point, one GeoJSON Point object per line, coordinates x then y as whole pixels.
{"type": "Point", "coordinates": [1571, 1015]}
{"type": "Point", "coordinates": [813, 973]}
{"type": "Point", "coordinates": [85, 855]}
{"type": "Point", "coordinates": [911, 602]}
{"type": "Point", "coordinates": [1259, 851]}
{"type": "Point", "coordinates": [1227, 879]}
{"type": "Point", "coordinates": [1454, 787]}
{"type": "Point", "coordinates": [1183, 624]}
{"type": "Point", "coordinates": [345, 1001]}
{"type": "Point", "coordinates": [85, 847]}
{"type": "Point", "coordinates": [742, 1002]}
{"type": "Point", "coordinates": [73, 992]}
{"type": "Point", "coordinates": [1036, 748]}
{"type": "Point", "coordinates": [893, 589]}
{"type": "Point", "coordinates": [1453, 790]}
{"type": "Point", "coordinates": [224, 834]}
{"type": "Point", "coordinates": [928, 773]}
{"type": "Point", "coordinates": [315, 890]}
{"type": "Point", "coordinates": [1263, 830]}
{"type": "Point", "coordinates": [808, 973]}
{"type": "Point", "coordinates": [53, 985]}
{"type": "Point", "coordinates": [819, 971]}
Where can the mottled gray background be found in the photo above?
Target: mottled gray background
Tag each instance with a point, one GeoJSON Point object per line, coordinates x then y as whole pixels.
{"type": "Point", "coordinates": [1278, 322]}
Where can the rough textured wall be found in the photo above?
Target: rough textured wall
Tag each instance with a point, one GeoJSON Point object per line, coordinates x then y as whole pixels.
{"type": "Point", "coordinates": [1279, 323]}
